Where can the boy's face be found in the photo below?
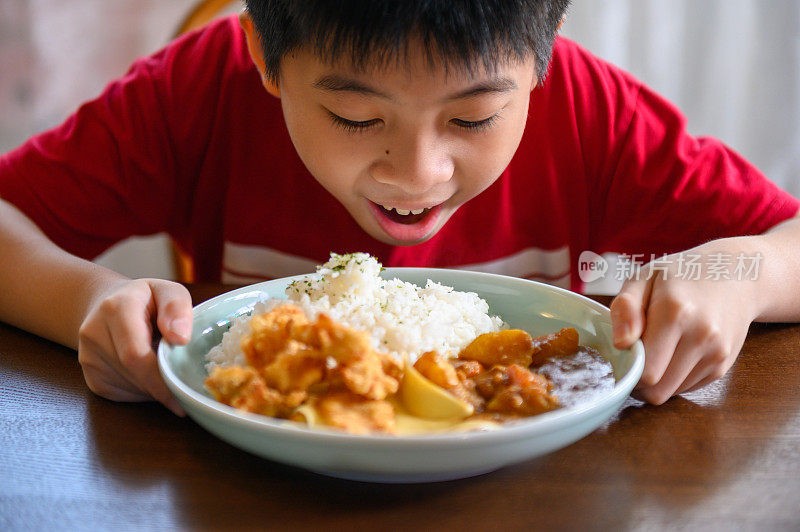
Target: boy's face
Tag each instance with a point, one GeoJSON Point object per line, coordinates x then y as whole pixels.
{"type": "Point", "coordinates": [403, 147]}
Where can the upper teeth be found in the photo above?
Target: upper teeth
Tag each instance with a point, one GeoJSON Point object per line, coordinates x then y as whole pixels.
{"type": "Point", "coordinates": [403, 212]}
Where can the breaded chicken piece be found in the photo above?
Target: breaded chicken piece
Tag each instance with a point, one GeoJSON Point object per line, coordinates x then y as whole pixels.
{"type": "Point", "coordinates": [360, 368]}
{"type": "Point", "coordinates": [355, 414]}
{"type": "Point", "coordinates": [296, 368]}
{"type": "Point", "coordinates": [288, 356]}
{"type": "Point", "coordinates": [270, 333]}
{"type": "Point", "coordinates": [243, 388]}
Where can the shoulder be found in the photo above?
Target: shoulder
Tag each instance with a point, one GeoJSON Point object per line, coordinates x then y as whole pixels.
{"type": "Point", "coordinates": [216, 50]}
{"type": "Point", "coordinates": [576, 65]}
{"type": "Point", "coordinates": [590, 85]}
{"type": "Point", "coordinates": [581, 110]}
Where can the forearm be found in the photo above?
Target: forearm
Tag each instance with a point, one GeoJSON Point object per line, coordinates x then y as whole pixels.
{"type": "Point", "coordinates": [45, 290]}
{"type": "Point", "coordinates": [778, 283]}
{"type": "Point", "coordinates": [771, 282]}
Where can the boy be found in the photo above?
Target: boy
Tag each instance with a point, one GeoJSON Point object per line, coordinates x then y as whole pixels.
{"type": "Point", "coordinates": [425, 133]}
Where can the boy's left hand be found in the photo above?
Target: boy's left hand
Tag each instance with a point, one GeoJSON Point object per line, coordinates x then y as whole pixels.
{"type": "Point", "coordinates": [692, 330]}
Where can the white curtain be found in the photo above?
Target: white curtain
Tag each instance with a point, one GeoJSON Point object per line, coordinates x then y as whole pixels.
{"type": "Point", "coordinates": [732, 66]}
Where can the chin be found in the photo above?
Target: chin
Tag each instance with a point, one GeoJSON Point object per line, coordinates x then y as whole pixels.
{"type": "Point", "coordinates": [407, 243]}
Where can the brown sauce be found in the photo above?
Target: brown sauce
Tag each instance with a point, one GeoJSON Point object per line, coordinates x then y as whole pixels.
{"type": "Point", "coordinates": [578, 377]}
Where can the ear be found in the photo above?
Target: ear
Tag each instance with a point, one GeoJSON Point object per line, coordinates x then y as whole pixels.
{"type": "Point", "coordinates": [256, 53]}
{"type": "Point", "coordinates": [563, 19]}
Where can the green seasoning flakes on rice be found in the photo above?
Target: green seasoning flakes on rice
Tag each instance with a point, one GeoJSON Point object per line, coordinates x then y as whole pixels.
{"type": "Point", "coordinates": [402, 318]}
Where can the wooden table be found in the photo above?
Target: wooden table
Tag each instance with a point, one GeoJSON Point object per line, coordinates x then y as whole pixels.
{"type": "Point", "coordinates": [724, 457]}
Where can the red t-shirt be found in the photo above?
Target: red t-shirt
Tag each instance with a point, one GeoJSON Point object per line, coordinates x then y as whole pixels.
{"type": "Point", "coordinates": [189, 142]}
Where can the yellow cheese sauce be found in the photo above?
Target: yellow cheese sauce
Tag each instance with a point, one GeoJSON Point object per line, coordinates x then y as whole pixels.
{"type": "Point", "coordinates": [409, 425]}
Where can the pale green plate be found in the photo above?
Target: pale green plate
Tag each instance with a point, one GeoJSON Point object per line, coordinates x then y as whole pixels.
{"type": "Point", "coordinates": [534, 307]}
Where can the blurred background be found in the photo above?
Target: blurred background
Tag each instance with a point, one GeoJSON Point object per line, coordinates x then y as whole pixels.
{"type": "Point", "coordinates": [732, 66]}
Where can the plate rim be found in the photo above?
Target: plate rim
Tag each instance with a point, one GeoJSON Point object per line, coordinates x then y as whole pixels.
{"type": "Point", "coordinates": [541, 423]}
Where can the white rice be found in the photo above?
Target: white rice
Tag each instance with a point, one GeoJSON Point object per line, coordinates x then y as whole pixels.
{"type": "Point", "coordinates": [401, 318]}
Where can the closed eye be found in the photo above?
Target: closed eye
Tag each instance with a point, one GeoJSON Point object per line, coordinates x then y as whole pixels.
{"type": "Point", "coordinates": [477, 125]}
{"type": "Point", "coordinates": [352, 125]}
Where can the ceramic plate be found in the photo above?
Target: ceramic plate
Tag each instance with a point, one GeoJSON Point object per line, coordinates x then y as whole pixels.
{"type": "Point", "coordinates": [534, 307]}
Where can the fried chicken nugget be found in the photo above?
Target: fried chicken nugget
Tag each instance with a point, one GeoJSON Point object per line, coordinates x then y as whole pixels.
{"type": "Point", "coordinates": [295, 368]}
{"type": "Point", "coordinates": [243, 388]}
{"type": "Point", "coordinates": [270, 333]}
{"type": "Point", "coordinates": [355, 414]}
{"type": "Point", "coordinates": [363, 370]}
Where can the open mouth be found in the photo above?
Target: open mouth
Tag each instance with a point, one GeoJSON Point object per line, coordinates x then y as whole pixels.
{"type": "Point", "coordinates": [407, 225]}
{"type": "Point", "coordinates": [403, 216]}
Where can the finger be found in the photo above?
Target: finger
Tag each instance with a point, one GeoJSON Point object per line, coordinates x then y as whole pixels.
{"type": "Point", "coordinates": [628, 311]}
{"type": "Point", "coordinates": [683, 362]}
{"type": "Point", "coordinates": [131, 335]}
{"type": "Point", "coordinates": [660, 339]}
{"type": "Point", "coordinates": [116, 390]}
{"type": "Point", "coordinates": [698, 373]}
{"type": "Point", "coordinates": [103, 373]}
{"type": "Point", "coordinates": [173, 310]}
{"type": "Point", "coordinates": [121, 389]}
{"type": "Point", "coordinates": [705, 381]}
{"type": "Point", "coordinates": [716, 361]}
{"type": "Point", "coordinates": [712, 371]}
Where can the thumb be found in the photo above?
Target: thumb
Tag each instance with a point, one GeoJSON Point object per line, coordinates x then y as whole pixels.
{"type": "Point", "coordinates": [628, 312]}
{"type": "Point", "coordinates": [173, 310]}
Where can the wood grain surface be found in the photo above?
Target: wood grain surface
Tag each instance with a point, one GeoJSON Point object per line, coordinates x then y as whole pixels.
{"type": "Point", "coordinates": [724, 457]}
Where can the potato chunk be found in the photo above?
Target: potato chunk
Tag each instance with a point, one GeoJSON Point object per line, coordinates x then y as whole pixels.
{"type": "Point", "coordinates": [558, 344]}
{"type": "Point", "coordinates": [512, 346]}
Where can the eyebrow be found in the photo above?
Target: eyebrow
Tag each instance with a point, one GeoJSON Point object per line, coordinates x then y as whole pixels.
{"type": "Point", "coordinates": [494, 85]}
{"type": "Point", "coordinates": [335, 83]}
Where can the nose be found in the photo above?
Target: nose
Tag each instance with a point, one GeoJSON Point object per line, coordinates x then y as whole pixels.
{"type": "Point", "coordinates": [414, 165]}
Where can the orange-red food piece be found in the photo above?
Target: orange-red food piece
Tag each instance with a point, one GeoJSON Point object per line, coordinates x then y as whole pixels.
{"type": "Point", "coordinates": [437, 369]}
{"type": "Point", "coordinates": [559, 344]}
{"type": "Point", "coordinates": [363, 370]}
{"type": "Point", "coordinates": [466, 369]}
{"type": "Point", "coordinates": [512, 346]}
{"type": "Point", "coordinates": [442, 373]}
{"type": "Point", "coordinates": [522, 402]}
{"type": "Point", "coordinates": [515, 390]}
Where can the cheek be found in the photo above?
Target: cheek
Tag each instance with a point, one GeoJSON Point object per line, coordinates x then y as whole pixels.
{"type": "Point", "coordinates": [327, 153]}
{"type": "Point", "coordinates": [484, 159]}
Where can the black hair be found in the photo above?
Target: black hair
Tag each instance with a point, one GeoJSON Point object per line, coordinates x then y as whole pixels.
{"type": "Point", "coordinates": [462, 33]}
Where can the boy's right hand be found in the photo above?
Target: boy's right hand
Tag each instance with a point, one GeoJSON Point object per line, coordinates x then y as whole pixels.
{"type": "Point", "coordinates": [115, 340]}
